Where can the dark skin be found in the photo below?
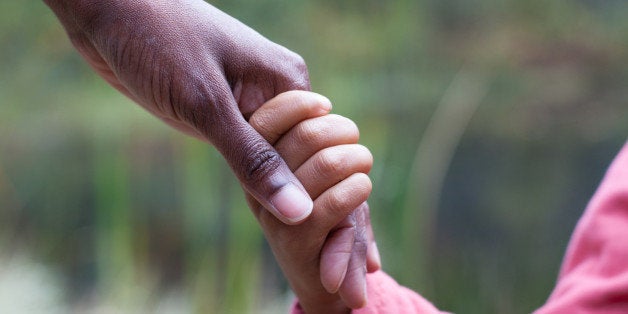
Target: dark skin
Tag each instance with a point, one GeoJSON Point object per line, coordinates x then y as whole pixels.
{"type": "Point", "coordinates": [204, 73]}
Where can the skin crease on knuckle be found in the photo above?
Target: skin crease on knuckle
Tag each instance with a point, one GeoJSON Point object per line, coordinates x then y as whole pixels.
{"type": "Point", "coordinates": [257, 166]}
{"type": "Point", "coordinates": [332, 165]}
{"type": "Point", "coordinates": [340, 158]}
{"type": "Point", "coordinates": [310, 131]}
{"type": "Point", "coordinates": [318, 133]}
{"type": "Point", "coordinates": [347, 195]}
{"type": "Point", "coordinates": [261, 121]}
{"type": "Point", "coordinates": [330, 161]}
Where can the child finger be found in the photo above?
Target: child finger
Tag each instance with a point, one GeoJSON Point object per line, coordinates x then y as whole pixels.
{"type": "Point", "coordinates": [332, 165]}
{"type": "Point", "coordinates": [373, 260]}
{"type": "Point", "coordinates": [331, 207]}
{"type": "Point", "coordinates": [353, 288]}
{"type": "Point", "coordinates": [312, 135]}
{"type": "Point", "coordinates": [335, 255]}
{"type": "Point", "coordinates": [281, 113]}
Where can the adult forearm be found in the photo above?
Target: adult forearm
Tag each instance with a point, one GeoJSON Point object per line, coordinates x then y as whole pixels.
{"type": "Point", "coordinates": [72, 13]}
{"type": "Point", "coordinates": [200, 71]}
{"type": "Point", "coordinates": [84, 16]}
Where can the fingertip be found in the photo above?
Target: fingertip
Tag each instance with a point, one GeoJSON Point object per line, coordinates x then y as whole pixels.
{"type": "Point", "coordinates": [366, 180]}
{"type": "Point", "coordinates": [362, 302]}
{"type": "Point", "coordinates": [333, 285]}
{"type": "Point", "coordinates": [325, 103]}
{"type": "Point", "coordinates": [358, 300]}
{"type": "Point", "coordinates": [353, 289]}
{"type": "Point", "coordinates": [374, 262]}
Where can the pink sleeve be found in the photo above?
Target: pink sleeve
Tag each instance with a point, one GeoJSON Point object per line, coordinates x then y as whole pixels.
{"type": "Point", "coordinates": [385, 295]}
{"type": "Point", "coordinates": [594, 274]}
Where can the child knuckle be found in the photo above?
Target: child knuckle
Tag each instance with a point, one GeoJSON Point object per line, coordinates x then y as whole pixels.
{"type": "Point", "coordinates": [340, 199]}
{"type": "Point", "coordinates": [307, 132]}
{"type": "Point", "coordinates": [331, 161]}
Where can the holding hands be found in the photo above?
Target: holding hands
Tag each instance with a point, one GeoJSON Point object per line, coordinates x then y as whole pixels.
{"type": "Point", "coordinates": [200, 71]}
{"type": "Point", "coordinates": [205, 73]}
{"type": "Point", "coordinates": [323, 257]}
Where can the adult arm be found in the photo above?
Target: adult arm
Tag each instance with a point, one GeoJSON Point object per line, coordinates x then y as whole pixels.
{"type": "Point", "coordinates": [204, 73]}
{"type": "Point", "coordinates": [200, 71]}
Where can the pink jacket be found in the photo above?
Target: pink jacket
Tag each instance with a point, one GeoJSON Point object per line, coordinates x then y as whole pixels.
{"type": "Point", "coordinates": [594, 274]}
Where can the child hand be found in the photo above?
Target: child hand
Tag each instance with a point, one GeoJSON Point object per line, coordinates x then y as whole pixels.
{"type": "Point", "coordinates": [328, 252]}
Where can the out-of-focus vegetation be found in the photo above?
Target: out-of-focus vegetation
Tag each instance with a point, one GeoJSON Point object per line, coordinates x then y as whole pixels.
{"type": "Point", "coordinates": [491, 123]}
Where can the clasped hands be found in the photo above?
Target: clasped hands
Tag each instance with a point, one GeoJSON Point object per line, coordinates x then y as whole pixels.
{"type": "Point", "coordinates": [205, 74]}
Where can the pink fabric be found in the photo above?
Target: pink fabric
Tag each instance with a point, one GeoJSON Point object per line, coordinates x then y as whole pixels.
{"type": "Point", "coordinates": [385, 295]}
{"type": "Point", "coordinates": [594, 274]}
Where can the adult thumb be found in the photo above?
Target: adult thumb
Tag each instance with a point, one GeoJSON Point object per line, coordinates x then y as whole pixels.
{"type": "Point", "coordinates": [258, 166]}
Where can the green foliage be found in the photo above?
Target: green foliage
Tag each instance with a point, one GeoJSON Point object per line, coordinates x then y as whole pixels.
{"type": "Point", "coordinates": [475, 215]}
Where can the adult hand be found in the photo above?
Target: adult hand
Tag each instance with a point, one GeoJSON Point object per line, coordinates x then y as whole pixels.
{"type": "Point", "coordinates": [202, 72]}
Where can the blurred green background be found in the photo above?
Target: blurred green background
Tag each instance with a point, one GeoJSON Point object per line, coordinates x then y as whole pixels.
{"type": "Point", "coordinates": [491, 123]}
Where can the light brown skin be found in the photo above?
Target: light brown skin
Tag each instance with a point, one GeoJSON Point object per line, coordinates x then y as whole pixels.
{"type": "Point", "coordinates": [322, 151]}
{"type": "Point", "coordinates": [204, 73]}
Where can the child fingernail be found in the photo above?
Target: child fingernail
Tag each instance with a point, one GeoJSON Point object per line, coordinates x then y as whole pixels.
{"type": "Point", "coordinates": [292, 203]}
